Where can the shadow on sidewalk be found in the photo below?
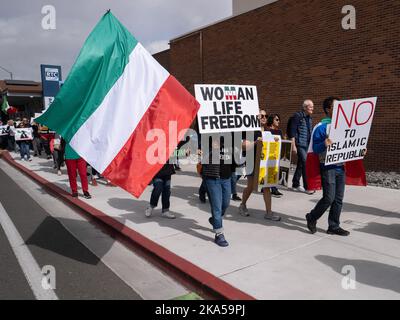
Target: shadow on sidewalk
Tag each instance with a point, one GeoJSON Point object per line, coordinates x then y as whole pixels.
{"type": "Point", "coordinates": [370, 273]}
{"type": "Point", "coordinates": [382, 230]}
{"type": "Point", "coordinates": [135, 213]}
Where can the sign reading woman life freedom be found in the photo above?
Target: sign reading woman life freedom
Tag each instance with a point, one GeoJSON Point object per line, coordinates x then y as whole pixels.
{"type": "Point", "coordinates": [349, 130]}
{"type": "Point", "coordinates": [227, 108]}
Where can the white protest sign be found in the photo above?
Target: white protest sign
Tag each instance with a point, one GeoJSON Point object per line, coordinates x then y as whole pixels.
{"type": "Point", "coordinates": [3, 130]}
{"type": "Point", "coordinates": [22, 134]}
{"type": "Point", "coordinates": [227, 108]}
{"type": "Point", "coordinates": [349, 130]}
{"type": "Point", "coordinates": [268, 175]}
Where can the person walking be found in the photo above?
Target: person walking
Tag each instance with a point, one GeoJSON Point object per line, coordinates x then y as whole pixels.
{"type": "Point", "coordinates": [24, 145]}
{"type": "Point", "coordinates": [75, 163]}
{"type": "Point", "coordinates": [216, 173]}
{"type": "Point", "coordinates": [250, 147]}
{"type": "Point", "coordinates": [300, 134]}
{"type": "Point", "coordinates": [333, 178]}
{"type": "Point", "coordinates": [57, 146]}
{"type": "Point", "coordinates": [162, 187]}
{"type": "Point", "coordinates": [273, 123]}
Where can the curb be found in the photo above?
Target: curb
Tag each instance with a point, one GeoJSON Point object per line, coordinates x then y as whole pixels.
{"type": "Point", "coordinates": [198, 276]}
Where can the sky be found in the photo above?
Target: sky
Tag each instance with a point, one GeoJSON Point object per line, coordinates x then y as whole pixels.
{"type": "Point", "coordinates": [24, 44]}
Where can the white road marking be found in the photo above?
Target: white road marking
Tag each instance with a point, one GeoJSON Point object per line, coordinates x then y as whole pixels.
{"type": "Point", "coordinates": [29, 266]}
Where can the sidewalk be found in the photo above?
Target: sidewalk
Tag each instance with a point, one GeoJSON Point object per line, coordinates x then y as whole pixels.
{"type": "Point", "coordinates": [268, 260]}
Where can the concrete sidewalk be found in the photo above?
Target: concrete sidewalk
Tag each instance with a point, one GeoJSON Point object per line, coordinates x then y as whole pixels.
{"type": "Point", "coordinates": [268, 260]}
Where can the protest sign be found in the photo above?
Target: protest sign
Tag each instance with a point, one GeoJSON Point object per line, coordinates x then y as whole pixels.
{"type": "Point", "coordinates": [285, 161]}
{"type": "Point", "coordinates": [3, 130]}
{"type": "Point", "coordinates": [227, 108]}
{"type": "Point", "coordinates": [349, 130]}
{"type": "Point", "coordinates": [268, 158]}
{"type": "Point", "coordinates": [22, 134]}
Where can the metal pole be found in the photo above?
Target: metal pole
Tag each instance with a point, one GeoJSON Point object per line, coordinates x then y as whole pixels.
{"type": "Point", "coordinates": [9, 72]}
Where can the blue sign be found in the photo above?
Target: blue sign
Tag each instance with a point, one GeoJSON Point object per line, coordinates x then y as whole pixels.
{"type": "Point", "coordinates": [51, 78]}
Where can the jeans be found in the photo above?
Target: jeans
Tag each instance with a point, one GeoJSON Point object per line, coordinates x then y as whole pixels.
{"type": "Point", "coordinates": [219, 191]}
{"type": "Point", "coordinates": [24, 149]}
{"type": "Point", "coordinates": [58, 158]}
{"type": "Point", "coordinates": [333, 185]}
{"type": "Point", "coordinates": [11, 143]}
{"type": "Point", "coordinates": [234, 180]}
{"type": "Point", "coordinates": [37, 146]}
{"type": "Point", "coordinates": [301, 168]}
{"type": "Point", "coordinates": [162, 187]}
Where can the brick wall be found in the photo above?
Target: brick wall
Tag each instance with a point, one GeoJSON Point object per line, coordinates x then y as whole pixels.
{"type": "Point", "coordinates": [293, 50]}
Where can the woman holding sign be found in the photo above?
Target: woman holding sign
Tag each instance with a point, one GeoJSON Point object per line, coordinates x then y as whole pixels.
{"type": "Point", "coordinates": [250, 147]}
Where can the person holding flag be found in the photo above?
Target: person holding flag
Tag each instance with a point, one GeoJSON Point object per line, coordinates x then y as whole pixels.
{"type": "Point", "coordinates": [332, 177]}
{"type": "Point", "coordinates": [115, 80]}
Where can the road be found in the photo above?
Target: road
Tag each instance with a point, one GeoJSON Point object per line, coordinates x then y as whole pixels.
{"type": "Point", "coordinates": [49, 251]}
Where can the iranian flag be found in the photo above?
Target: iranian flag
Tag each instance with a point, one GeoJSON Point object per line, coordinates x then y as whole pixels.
{"type": "Point", "coordinates": [116, 93]}
{"type": "Point", "coordinates": [354, 170]}
{"type": "Point", "coordinates": [5, 106]}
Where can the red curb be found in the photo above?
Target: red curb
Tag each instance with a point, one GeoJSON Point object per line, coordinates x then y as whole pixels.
{"type": "Point", "coordinates": [196, 274]}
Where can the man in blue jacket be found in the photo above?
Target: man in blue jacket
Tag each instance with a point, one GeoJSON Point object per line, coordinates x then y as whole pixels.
{"type": "Point", "coordinates": [333, 178]}
{"type": "Point", "coordinates": [300, 134]}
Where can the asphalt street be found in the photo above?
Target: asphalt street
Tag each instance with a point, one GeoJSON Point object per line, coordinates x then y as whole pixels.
{"type": "Point", "coordinates": [36, 249]}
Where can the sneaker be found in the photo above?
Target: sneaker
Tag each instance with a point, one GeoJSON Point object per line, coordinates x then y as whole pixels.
{"type": "Point", "coordinates": [310, 192]}
{"type": "Point", "coordinates": [339, 232]}
{"type": "Point", "coordinates": [299, 189]}
{"type": "Point", "coordinates": [220, 240]}
{"type": "Point", "coordinates": [276, 193]}
{"type": "Point", "coordinates": [75, 194]}
{"type": "Point", "coordinates": [29, 159]}
{"type": "Point", "coordinates": [311, 225]}
{"type": "Point", "coordinates": [272, 216]}
{"type": "Point", "coordinates": [59, 172]}
{"type": "Point", "coordinates": [149, 211]}
{"type": "Point", "coordinates": [235, 197]}
{"type": "Point", "coordinates": [87, 195]}
{"type": "Point", "coordinates": [168, 214]}
{"type": "Point", "coordinates": [243, 210]}
{"type": "Point", "coordinates": [48, 157]}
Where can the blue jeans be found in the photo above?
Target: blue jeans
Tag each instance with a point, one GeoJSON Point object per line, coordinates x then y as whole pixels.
{"type": "Point", "coordinates": [333, 185]}
{"type": "Point", "coordinates": [219, 192]}
{"type": "Point", "coordinates": [301, 168]}
{"type": "Point", "coordinates": [234, 180]}
{"type": "Point", "coordinates": [24, 149]}
{"type": "Point", "coordinates": [162, 187]}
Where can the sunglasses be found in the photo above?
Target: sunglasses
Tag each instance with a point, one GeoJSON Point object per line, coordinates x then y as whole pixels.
{"type": "Point", "coordinates": [263, 116]}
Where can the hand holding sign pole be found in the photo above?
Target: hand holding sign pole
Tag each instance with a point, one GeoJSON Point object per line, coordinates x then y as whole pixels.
{"type": "Point", "coordinates": [349, 130]}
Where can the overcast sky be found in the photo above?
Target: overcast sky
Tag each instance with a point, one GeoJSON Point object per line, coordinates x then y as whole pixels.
{"type": "Point", "coordinates": [24, 44]}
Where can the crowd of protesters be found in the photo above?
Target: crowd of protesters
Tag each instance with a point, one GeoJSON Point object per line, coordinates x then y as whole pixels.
{"type": "Point", "coordinates": [218, 179]}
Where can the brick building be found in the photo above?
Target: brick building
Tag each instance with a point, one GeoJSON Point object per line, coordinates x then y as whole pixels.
{"type": "Point", "coordinates": [293, 50]}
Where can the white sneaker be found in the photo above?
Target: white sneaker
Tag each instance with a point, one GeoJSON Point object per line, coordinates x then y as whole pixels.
{"type": "Point", "coordinates": [167, 214]}
{"type": "Point", "coordinates": [148, 212]}
{"type": "Point", "coordinates": [300, 189]}
{"type": "Point", "coordinates": [272, 216]}
{"type": "Point", "coordinates": [59, 172]}
{"type": "Point", "coordinates": [243, 210]}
